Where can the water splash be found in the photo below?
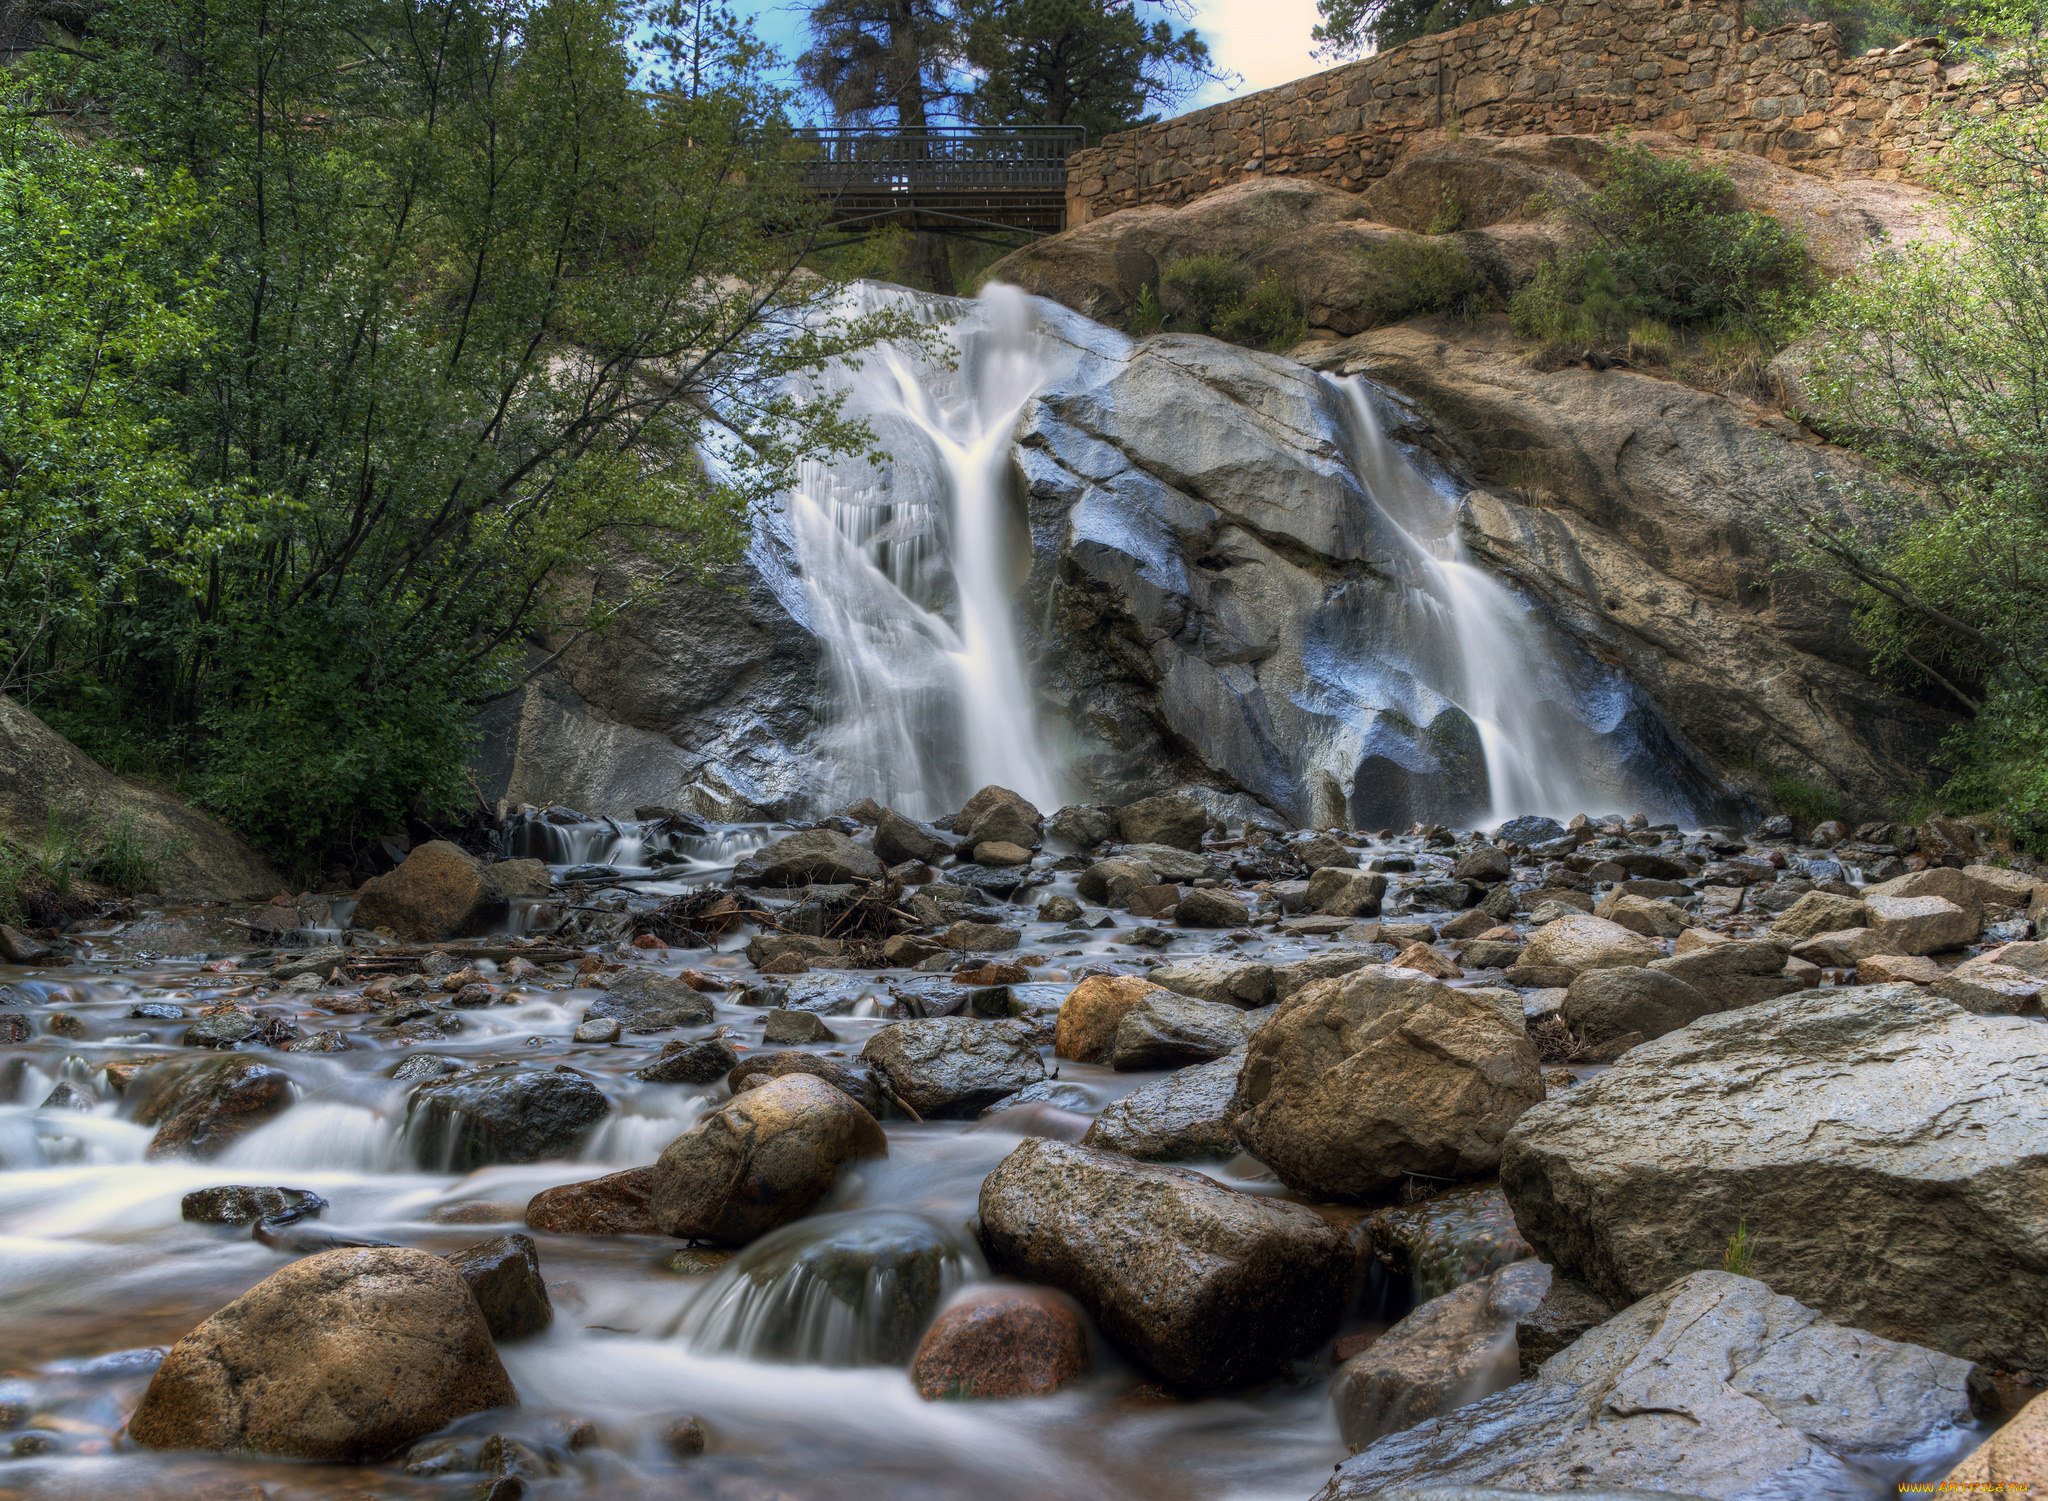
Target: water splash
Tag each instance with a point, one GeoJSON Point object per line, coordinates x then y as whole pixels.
{"type": "Point", "coordinates": [836, 1290]}
{"type": "Point", "coordinates": [911, 566]}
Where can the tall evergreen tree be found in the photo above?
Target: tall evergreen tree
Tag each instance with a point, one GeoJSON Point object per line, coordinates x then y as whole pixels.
{"type": "Point", "coordinates": [888, 64]}
{"type": "Point", "coordinates": [1094, 63]}
{"type": "Point", "coordinates": [1350, 28]}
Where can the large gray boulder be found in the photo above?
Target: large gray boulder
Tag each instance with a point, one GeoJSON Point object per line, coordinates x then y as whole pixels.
{"type": "Point", "coordinates": [1714, 1386]}
{"type": "Point", "coordinates": [1165, 1030]}
{"type": "Point", "coordinates": [1604, 1005]}
{"type": "Point", "coordinates": [953, 1066]}
{"type": "Point", "coordinates": [1218, 977]}
{"type": "Point", "coordinates": [472, 1119]}
{"type": "Point", "coordinates": [343, 1356]}
{"type": "Point", "coordinates": [1209, 1287]}
{"type": "Point", "coordinates": [1177, 821]}
{"type": "Point", "coordinates": [1731, 975]}
{"type": "Point", "coordinates": [810, 857]}
{"type": "Point", "coordinates": [1881, 1147]}
{"type": "Point", "coordinates": [1187, 1114]}
{"type": "Point", "coordinates": [645, 1000]}
{"type": "Point", "coordinates": [1360, 1081]}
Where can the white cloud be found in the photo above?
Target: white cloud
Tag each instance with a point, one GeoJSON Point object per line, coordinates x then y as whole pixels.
{"type": "Point", "coordinates": [1265, 40]}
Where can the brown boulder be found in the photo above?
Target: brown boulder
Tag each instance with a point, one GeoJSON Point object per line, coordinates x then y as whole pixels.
{"type": "Point", "coordinates": [857, 1084]}
{"type": "Point", "coordinates": [203, 1108]}
{"type": "Point", "coordinates": [2014, 1459]}
{"type": "Point", "coordinates": [347, 1355]}
{"type": "Point", "coordinates": [616, 1204]}
{"type": "Point", "coordinates": [441, 891]}
{"type": "Point", "coordinates": [504, 1277]}
{"type": "Point", "coordinates": [1091, 1013]}
{"type": "Point", "coordinates": [998, 815]}
{"type": "Point", "coordinates": [763, 1160]}
{"type": "Point", "coordinates": [1001, 1342]}
{"type": "Point", "coordinates": [1452, 1350]}
{"type": "Point", "coordinates": [1208, 1286]}
{"type": "Point", "coordinates": [1359, 1082]}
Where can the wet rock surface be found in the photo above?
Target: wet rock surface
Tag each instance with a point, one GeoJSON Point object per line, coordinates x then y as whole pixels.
{"type": "Point", "coordinates": [1820, 1123]}
{"type": "Point", "coordinates": [1714, 1386]}
{"type": "Point", "coordinates": [440, 891]}
{"type": "Point", "coordinates": [616, 1204]}
{"type": "Point", "coordinates": [504, 1277]}
{"type": "Point", "coordinates": [1001, 1342]}
{"type": "Point", "coordinates": [1190, 1113]}
{"type": "Point", "coordinates": [761, 1161]}
{"type": "Point", "coordinates": [515, 1115]}
{"type": "Point", "coordinates": [950, 1067]}
{"type": "Point", "coordinates": [1209, 1287]}
{"type": "Point", "coordinates": [1452, 1350]}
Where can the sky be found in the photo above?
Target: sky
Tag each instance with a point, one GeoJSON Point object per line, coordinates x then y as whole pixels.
{"type": "Point", "coordinates": [1265, 42]}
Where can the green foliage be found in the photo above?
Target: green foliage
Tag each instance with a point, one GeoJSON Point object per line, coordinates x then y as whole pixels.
{"type": "Point", "coordinates": [1741, 1252]}
{"type": "Point", "coordinates": [1861, 24]}
{"type": "Point", "coordinates": [1449, 217]}
{"type": "Point", "coordinates": [1199, 287]}
{"type": "Point", "coordinates": [96, 305]}
{"type": "Point", "coordinates": [1935, 365]}
{"type": "Point", "coordinates": [1673, 270]}
{"type": "Point", "coordinates": [1269, 315]}
{"type": "Point", "coordinates": [1410, 276]}
{"type": "Point", "coordinates": [1807, 804]}
{"type": "Point", "coordinates": [1147, 316]}
{"type": "Point", "coordinates": [464, 339]}
{"type": "Point", "coordinates": [1095, 63]}
{"type": "Point", "coordinates": [1216, 294]}
{"type": "Point", "coordinates": [1350, 28]}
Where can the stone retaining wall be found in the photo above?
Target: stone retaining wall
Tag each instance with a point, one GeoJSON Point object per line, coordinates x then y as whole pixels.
{"type": "Point", "coordinates": [1687, 68]}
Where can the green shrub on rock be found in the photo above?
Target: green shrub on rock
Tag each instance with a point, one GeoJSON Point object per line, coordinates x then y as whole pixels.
{"type": "Point", "coordinates": [1411, 276]}
{"type": "Point", "coordinates": [1269, 316]}
{"type": "Point", "coordinates": [1199, 287]}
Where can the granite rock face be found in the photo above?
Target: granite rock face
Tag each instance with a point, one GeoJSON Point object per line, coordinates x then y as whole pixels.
{"type": "Point", "coordinates": [1714, 1387]}
{"type": "Point", "coordinates": [1881, 1146]}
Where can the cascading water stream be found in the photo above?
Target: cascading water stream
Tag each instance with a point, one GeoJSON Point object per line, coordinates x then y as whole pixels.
{"type": "Point", "coordinates": [1470, 639]}
{"type": "Point", "coordinates": [909, 567]}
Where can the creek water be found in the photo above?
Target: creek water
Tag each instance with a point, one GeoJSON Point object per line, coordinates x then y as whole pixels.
{"type": "Point", "coordinates": [800, 1382]}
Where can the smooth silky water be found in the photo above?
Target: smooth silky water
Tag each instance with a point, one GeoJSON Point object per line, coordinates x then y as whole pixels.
{"type": "Point", "coordinates": [796, 1368]}
{"type": "Point", "coordinates": [910, 567]}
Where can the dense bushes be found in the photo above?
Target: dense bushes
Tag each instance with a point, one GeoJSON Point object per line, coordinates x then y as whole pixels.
{"type": "Point", "coordinates": [1410, 276]}
{"type": "Point", "coordinates": [376, 384]}
{"type": "Point", "coordinates": [1934, 363]}
{"type": "Point", "coordinates": [1217, 294]}
{"type": "Point", "coordinates": [1667, 245]}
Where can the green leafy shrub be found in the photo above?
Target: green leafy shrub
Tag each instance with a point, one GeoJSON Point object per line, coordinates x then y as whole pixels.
{"type": "Point", "coordinates": [1449, 217]}
{"type": "Point", "coordinates": [1409, 276]}
{"type": "Point", "coordinates": [1807, 804]}
{"type": "Point", "coordinates": [1268, 316]}
{"type": "Point", "coordinates": [1199, 287]}
{"type": "Point", "coordinates": [1741, 1252]}
{"type": "Point", "coordinates": [1669, 243]}
{"type": "Point", "coordinates": [1147, 316]}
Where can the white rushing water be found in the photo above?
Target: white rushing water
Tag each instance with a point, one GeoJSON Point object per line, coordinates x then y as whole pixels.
{"type": "Point", "coordinates": [911, 565]}
{"type": "Point", "coordinates": [1471, 640]}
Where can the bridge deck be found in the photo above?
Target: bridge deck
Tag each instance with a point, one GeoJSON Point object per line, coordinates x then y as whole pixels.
{"type": "Point", "coordinates": [956, 181]}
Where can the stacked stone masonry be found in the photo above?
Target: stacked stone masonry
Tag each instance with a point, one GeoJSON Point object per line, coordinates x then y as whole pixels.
{"type": "Point", "coordinates": [1688, 69]}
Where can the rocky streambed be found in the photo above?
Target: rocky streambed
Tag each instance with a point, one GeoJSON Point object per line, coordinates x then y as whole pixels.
{"type": "Point", "coordinates": [1112, 1153]}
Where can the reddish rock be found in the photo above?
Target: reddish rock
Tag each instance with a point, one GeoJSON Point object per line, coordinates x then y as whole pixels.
{"type": "Point", "coordinates": [1001, 1342]}
{"type": "Point", "coordinates": [616, 1204]}
{"type": "Point", "coordinates": [1089, 1015]}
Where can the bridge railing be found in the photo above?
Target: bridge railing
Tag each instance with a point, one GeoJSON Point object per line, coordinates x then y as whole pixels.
{"type": "Point", "coordinates": [1023, 159]}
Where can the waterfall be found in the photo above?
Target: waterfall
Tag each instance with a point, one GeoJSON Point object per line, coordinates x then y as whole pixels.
{"type": "Point", "coordinates": [909, 565]}
{"type": "Point", "coordinates": [1472, 641]}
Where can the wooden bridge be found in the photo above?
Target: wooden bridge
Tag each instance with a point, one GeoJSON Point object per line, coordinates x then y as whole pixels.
{"type": "Point", "coordinates": [970, 183]}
